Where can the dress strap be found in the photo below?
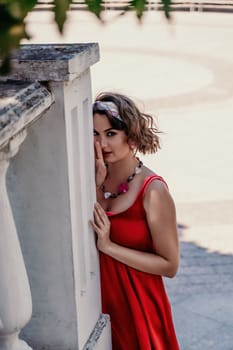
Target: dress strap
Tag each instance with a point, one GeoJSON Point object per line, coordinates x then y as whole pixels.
{"type": "Point", "coordinates": [151, 178]}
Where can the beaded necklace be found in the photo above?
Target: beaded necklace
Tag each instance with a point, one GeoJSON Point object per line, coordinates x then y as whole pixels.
{"type": "Point", "coordinates": [123, 187]}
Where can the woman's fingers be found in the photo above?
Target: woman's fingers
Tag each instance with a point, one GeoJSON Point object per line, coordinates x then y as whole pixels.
{"type": "Point", "coordinates": [99, 154]}
{"type": "Point", "coordinates": [101, 213]}
{"type": "Point", "coordinates": [100, 167]}
{"type": "Point", "coordinates": [98, 218]}
{"type": "Point", "coordinates": [101, 226]}
{"type": "Point", "coordinates": [101, 221]}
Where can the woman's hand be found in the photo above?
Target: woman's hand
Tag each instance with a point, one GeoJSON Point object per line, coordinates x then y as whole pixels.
{"type": "Point", "coordinates": [101, 226]}
{"type": "Point", "coordinates": [100, 167]}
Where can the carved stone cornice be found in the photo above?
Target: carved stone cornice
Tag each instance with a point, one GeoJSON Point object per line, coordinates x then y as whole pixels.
{"type": "Point", "coordinates": [21, 103]}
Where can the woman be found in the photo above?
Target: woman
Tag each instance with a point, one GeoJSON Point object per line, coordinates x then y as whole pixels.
{"type": "Point", "coordinates": [136, 229]}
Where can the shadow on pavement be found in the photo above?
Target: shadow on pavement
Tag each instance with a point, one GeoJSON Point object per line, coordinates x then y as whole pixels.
{"type": "Point", "coordinates": [202, 298]}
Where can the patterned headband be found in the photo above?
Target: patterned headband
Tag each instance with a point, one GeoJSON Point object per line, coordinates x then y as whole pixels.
{"type": "Point", "coordinates": [107, 106]}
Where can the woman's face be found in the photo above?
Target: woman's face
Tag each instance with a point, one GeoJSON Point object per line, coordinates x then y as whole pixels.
{"type": "Point", "coordinates": [113, 142]}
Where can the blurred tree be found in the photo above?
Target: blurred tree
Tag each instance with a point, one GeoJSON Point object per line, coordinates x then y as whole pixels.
{"type": "Point", "coordinates": [13, 13]}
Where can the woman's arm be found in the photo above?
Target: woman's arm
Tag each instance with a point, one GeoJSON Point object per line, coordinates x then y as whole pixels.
{"type": "Point", "coordinates": [161, 217]}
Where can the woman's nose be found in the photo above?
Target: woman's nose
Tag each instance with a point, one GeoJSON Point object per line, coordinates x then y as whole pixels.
{"type": "Point", "coordinates": [103, 142]}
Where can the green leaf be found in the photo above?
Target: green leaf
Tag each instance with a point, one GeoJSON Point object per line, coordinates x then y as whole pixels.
{"type": "Point", "coordinates": [60, 9]}
{"type": "Point", "coordinates": [11, 38]}
{"type": "Point", "coordinates": [95, 6]}
{"type": "Point", "coordinates": [167, 8]}
{"type": "Point", "coordinates": [11, 33]}
{"type": "Point", "coordinates": [139, 6]}
{"type": "Point", "coordinates": [19, 9]}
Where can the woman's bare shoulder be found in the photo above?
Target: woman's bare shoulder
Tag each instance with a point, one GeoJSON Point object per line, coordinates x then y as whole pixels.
{"type": "Point", "coordinates": [156, 183]}
{"type": "Point", "coordinates": [157, 195]}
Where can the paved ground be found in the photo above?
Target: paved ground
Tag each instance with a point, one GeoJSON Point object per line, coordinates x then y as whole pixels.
{"type": "Point", "coordinates": [183, 72]}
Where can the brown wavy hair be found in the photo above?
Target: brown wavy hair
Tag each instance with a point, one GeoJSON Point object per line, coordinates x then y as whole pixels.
{"type": "Point", "coordinates": [141, 127]}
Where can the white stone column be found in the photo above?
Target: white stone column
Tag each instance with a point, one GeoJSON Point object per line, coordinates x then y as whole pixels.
{"type": "Point", "coordinates": [15, 296]}
{"type": "Point", "coordinates": [52, 191]}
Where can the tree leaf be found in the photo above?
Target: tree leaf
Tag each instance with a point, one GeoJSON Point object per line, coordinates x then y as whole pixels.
{"type": "Point", "coordinates": [19, 9]}
{"type": "Point", "coordinates": [9, 40]}
{"type": "Point", "coordinates": [60, 9]}
{"type": "Point", "coordinates": [12, 28]}
{"type": "Point", "coordinates": [95, 6]}
{"type": "Point", "coordinates": [139, 6]}
{"type": "Point", "coordinates": [167, 8]}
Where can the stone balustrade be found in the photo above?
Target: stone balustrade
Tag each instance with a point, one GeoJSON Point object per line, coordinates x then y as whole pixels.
{"type": "Point", "coordinates": [46, 202]}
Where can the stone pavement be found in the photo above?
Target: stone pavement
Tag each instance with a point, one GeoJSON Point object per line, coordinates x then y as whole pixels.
{"type": "Point", "coordinates": [182, 72]}
{"type": "Point", "coordinates": [202, 293]}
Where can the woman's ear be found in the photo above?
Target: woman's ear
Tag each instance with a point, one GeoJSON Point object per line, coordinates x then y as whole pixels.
{"type": "Point", "coordinates": [132, 144]}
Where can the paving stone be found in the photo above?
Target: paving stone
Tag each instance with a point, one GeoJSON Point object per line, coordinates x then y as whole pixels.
{"type": "Point", "coordinates": [220, 339]}
{"type": "Point", "coordinates": [192, 327]}
{"type": "Point", "coordinates": [218, 307]}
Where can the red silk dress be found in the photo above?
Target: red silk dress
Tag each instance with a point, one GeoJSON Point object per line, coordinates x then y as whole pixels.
{"type": "Point", "coordinates": [136, 301]}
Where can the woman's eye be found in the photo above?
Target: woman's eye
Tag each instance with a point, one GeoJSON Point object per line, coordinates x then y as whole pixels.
{"type": "Point", "coordinates": [111, 133]}
{"type": "Point", "coordinates": [94, 133]}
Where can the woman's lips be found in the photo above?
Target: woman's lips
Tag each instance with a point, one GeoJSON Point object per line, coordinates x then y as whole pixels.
{"type": "Point", "coordinates": [105, 154]}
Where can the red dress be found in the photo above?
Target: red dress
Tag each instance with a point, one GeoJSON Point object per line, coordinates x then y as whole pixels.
{"type": "Point", "coordinates": [136, 301]}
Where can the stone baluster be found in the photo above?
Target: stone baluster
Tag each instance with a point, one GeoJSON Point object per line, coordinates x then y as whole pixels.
{"type": "Point", "coordinates": [15, 296]}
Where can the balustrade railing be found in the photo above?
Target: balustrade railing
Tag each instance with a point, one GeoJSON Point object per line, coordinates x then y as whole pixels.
{"type": "Point", "coordinates": [176, 5]}
{"type": "Point", "coordinates": [20, 104]}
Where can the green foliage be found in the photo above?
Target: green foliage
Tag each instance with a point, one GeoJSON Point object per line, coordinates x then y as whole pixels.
{"type": "Point", "coordinates": [60, 9]}
{"type": "Point", "coordinates": [95, 6]}
{"type": "Point", "coordinates": [12, 28]}
{"type": "Point", "coordinates": [166, 8]}
{"type": "Point", "coordinates": [139, 6]}
{"type": "Point", "coordinates": [13, 13]}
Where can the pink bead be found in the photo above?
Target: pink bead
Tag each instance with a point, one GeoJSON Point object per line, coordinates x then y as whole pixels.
{"type": "Point", "coordinates": [123, 188]}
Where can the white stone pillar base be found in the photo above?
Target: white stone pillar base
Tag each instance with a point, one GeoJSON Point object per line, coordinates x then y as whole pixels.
{"type": "Point", "coordinates": [13, 343]}
{"type": "Point", "coordinates": [101, 335]}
